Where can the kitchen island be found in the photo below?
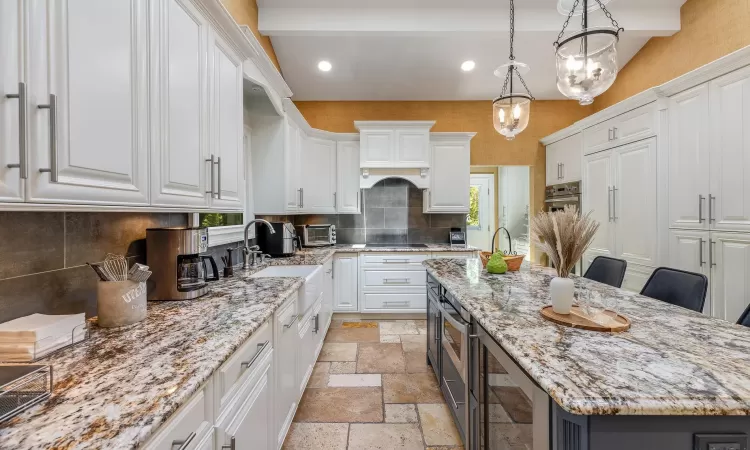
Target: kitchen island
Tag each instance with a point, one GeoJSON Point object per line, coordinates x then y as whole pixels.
{"type": "Point", "coordinates": [674, 377]}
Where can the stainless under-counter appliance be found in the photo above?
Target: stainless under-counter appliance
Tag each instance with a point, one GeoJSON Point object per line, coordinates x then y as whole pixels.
{"type": "Point", "coordinates": [559, 195]}
{"type": "Point", "coordinates": [179, 269]}
{"type": "Point", "coordinates": [317, 235]}
{"type": "Point", "coordinates": [283, 242]}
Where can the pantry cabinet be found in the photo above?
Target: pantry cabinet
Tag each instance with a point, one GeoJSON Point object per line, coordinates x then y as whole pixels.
{"type": "Point", "coordinates": [564, 160]}
{"type": "Point", "coordinates": [689, 250]}
{"type": "Point", "coordinates": [13, 103]}
{"type": "Point", "coordinates": [450, 155]}
{"type": "Point", "coordinates": [729, 258]}
{"type": "Point", "coordinates": [347, 178]}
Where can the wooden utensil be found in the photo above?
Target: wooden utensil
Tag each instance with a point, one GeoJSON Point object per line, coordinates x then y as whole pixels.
{"type": "Point", "coordinates": [608, 321]}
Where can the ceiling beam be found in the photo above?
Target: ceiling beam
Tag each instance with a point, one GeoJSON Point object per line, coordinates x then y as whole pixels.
{"type": "Point", "coordinates": [432, 22]}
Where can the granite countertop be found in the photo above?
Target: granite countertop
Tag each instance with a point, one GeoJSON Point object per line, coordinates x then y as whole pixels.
{"type": "Point", "coordinates": [429, 248]}
{"type": "Point", "coordinates": [672, 361]}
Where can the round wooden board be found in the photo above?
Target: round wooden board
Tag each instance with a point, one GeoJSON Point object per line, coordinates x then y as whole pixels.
{"type": "Point", "coordinates": [577, 319]}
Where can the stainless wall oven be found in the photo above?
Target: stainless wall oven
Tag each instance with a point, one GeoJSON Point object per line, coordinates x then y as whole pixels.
{"type": "Point", "coordinates": [559, 195]}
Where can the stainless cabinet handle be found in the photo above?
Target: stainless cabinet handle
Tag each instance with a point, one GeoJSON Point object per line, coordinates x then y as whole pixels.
{"type": "Point", "coordinates": [614, 204]}
{"type": "Point", "coordinates": [711, 199]}
{"type": "Point", "coordinates": [291, 322]}
{"type": "Point", "coordinates": [218, 176]}
{"type": "Point", "coordinates": [711, 244]}
{"type": "Point", "coordinates": [396, 281]}
{"type": "Point", "coordinates": [609, 134]}
{"type": "Point", "coordinates": [301, 197]}
{"type": "Point", "coordinates": [334, 199]}
{"type": "Point", "coordinates": [358, 194]}
{"type": "Point", "coordinates": [211, 173]}
{"type": "Point", "coordinates": [401, 261]}
{"type": "Point", "coordinates": [316, 322]}
{"type": "Point", "coordinates": [614, 133]}
{"type": "Point", "coordinates": [450, 393]}
{"type": "Point", "coordinates": [396, 302]}
{"type": "Point", "coordinates": [182, 444]}
{"type": "Point", "coordinates": [231, 445]}
{"type": "Point", "coordinates": [261, 348]}
{"type": "Point", "coordinates": [609, 203]}
{"type": "Point", "coordinates": [22, 162]}
{"type": "Point", "coordinates": [700, 253]}
{"type": "Point", "coordinates": [562, 171]}
{"type": "Point", "coordinates": [52, 106]}
{"type": "Point", "coordinates": [700, 208]}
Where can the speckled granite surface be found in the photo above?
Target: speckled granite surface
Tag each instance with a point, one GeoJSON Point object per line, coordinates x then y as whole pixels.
{"type": "Point", "coordinates": [429, 248]}
{"type": "Point", "coordinates": [672, 361]}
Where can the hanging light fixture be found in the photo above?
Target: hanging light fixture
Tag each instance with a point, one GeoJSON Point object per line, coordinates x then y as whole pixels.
{"type": "Point", "coordinates": [510, 111]}
{"type": "Point", "coordinates": [587, 59]}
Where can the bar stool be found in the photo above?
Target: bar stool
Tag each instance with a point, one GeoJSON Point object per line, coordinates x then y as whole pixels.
{"type": "Point", "coordinates": [607, 270]}
{"type": "Point", "coordinates": [678, 287]}
{"type": "Point", "coordinates": [745, 317]}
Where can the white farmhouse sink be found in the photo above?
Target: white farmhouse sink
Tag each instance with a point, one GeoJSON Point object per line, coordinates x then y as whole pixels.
{"type": "Point", "coordinates": [309, 292]}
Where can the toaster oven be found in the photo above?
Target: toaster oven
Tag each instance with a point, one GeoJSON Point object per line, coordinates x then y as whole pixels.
{"type": "Point", "coordinates": [317, 235]}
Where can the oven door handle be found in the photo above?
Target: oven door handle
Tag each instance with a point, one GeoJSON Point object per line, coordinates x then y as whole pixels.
{"type": "Point", "coordinates": [572, 198]}
{"type": "Point", "coordinates": [462, 326]}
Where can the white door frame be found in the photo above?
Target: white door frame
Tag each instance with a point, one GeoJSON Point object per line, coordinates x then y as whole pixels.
{"type": "Point", "coordinates": [488, 213]}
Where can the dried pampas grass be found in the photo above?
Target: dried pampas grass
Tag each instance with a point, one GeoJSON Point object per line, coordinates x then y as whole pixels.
{"type": "Point", "coordinates": [563, 236]}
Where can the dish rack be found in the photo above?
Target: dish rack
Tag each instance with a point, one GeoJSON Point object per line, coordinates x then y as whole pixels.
{"type": "Point", "coordinates": [45, 347]}
{"type": "Point", "coordinates": [23, 386]}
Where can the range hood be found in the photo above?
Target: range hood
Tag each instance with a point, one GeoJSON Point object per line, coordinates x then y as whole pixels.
{"type": "Point", "coordinates": [418, 177]}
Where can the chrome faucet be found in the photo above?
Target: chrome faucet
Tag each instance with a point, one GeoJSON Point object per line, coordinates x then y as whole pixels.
{"type": "Point", "coordinates": [247, 251]}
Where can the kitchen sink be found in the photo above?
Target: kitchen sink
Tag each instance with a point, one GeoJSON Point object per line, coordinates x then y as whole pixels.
{"type": "Point", "coordinates": [286, 271]}
{"type": "Point", "coordinates": [309, 292]}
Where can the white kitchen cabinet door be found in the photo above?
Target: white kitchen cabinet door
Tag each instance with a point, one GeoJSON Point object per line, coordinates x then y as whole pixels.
{"type": "Point", "coordinates": [729, 204]}
{"type": "Point", "coordinates": [636, 277]}
{"type": "Point", "coordinates": [88, 102]}
{"type": "Point", "coordinates": [597, 138]}
{"type": "Point", "coordinates": [449, 178]}
{"type": "Point", "coordinates": [597, 199]}
{"type": "Point", "coordinates": [292, 171]}
{"type": "Point", "coordinates": [634, 125]}
{"type": "Point", "coordinates": [570, 159]}
{"type": "Point", "coordinates": [689, 159]}
{"type": "Point", "coordinates": [634, 202]}
{"type": "Point", "coordinates": [179, 101]}
{"type": "Point", "coordinates": [412, 148]}
{"type": "Point", "coordinates": [318, 176]}
{"type": "Point", "coordinates": [347, 178]}
{"type": "Point", "coordinates": [553, 163]}
{"type": "Point", "coordinates": [12, 109]}
{"type": "Point", "coordinates": [286, 343]}
{"type": "Point", "coordinates": [729, 257]}
{"type": "Point", "coordinates": [225, 91]}
{"type": "Point", "coordinates": [345, 282]}
{"type": "Point", "coordinates": [250, 428]}
{"type": "Point", "coordinates": [306, 350]}
{"type": "Point", "coordinates": [326, 311]}
{"type": "Point", "coordinates": [688, 250]}
{"type": "Point", "coordinates": [377, 148]}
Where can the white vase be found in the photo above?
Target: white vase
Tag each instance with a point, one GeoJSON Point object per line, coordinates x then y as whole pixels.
{"type": "Point", "coordinates": [561, 291]}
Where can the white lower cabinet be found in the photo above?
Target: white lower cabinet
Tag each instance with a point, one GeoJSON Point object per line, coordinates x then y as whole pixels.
{"type": "Point", "coordinates": [306, 350]}
{"type": "Point", "coordinates": [636, 277]}
{"type": "Point", "coordinates": [345, 279]}
{"type": "Point", "coordinates": [688, 250]}
{"type": "Point", "coordinates": [392, 282]}
{"type": "Point", "coordinates": [286, 390]}
{"type": "Point", "coordinates": [192, 419]}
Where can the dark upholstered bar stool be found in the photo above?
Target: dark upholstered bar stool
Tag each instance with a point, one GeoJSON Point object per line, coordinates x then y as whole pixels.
{"type": "Point", "coordinates": [607, 270]}
{"type": "Point", "coordinates": [745, 317]}
{"type": "Point", "coordinates": [678, 287]}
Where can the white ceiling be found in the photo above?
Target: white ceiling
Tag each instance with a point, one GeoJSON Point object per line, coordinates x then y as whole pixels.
{"type": "Point", "coordinates": [413, 49]}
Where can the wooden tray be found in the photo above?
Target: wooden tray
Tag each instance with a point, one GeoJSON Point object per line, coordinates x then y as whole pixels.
{"type": "Point", "coordinates": [577, 319]}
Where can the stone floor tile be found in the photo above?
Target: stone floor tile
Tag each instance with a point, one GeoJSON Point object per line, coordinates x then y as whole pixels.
{"type": "Point", "coordinates": [315, 436]}
{"type": "Point", "coordinates": [414, 343]}
{"type": "Point", "coordinates": [420, 322]}
{"type": "Point", "coordinates": [498, 414]}
{"type": "Point", "coordinates": [515, 403]}
{"type": "Point", "coordinates": [336, 323]}
{"type": "Point", "coordinates": [354, 380]}
{"type": "Point", "coordinates": [343, 367]}
{"type": "Point", "coordinates": [387, 436]}
{"type": "Point", "coordinates": [353, 335]}
{"type": "Point", "coordinates": [422, 330]}
{"type": "Point", "coordinates": [396, 413]}
{"type": "Point", "coordinates": [319, 377]}
{"type": "Point", "coordinates": [438, 427]}
{"type": "Point", "coordinates": [380, 358]}
{"type": "Point", "coordinates": [416, 362]}
{"type": "Point", "coordinates": [390, 339]}
{"type": "Point", "coordinates": [358, 324]}
{"type": "Point", "coordinates": [398, 327]}
{"type": "Point", "coordinates": [364, 404]}
{"type": "Point", "coordinates": [508, 436]}
{"type": "Point", "coordinates": [335, 351]}
{"type": "Point", "coordinates": [411, 388]}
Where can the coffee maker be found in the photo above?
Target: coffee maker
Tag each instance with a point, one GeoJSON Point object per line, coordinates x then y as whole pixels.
{"type": "Point", "coordinates": [179, 270]}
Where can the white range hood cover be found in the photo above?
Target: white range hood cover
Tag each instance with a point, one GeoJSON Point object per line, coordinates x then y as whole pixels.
{"type": "Point", "coordinates": [418, 177]}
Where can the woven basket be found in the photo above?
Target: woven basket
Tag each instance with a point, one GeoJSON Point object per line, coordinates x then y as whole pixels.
{"type": "Point", "coordinates": [513, 261]}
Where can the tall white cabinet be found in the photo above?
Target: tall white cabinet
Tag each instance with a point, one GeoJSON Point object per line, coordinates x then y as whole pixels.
{"type": "Point", "coordinates": [348, 196]}
{"type": "Point", "coordinates": [13, 103]}
{"type": "Point", "coordinates": [564, 160]}
{"type": "Point", "coordinates": [319, 176]}
{"type": "Point", "coordinates": [450, 157]}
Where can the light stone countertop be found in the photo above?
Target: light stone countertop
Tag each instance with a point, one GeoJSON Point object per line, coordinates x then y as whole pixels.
{"type": "Point", "coordinates": [672, 361]}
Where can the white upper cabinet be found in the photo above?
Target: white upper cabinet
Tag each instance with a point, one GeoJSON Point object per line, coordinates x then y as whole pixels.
{"type": "Point", "coordinates": [225, 135]}
{"type": "Point", "coordinates": [597, 180]}
{"type": "Point", "coordinates": [729, 202]}
{"type": "Point", "coordinates": [564, 160]}
{"type": "Point", "coordinates": [179, 96]}
{"type": "Point", "coordinates": [347, 178]}
{"type": "Point", "coordinates": [318, 176]}
{"type": "Point", "coordinates": [292, 165]}
{"type": "Point", "coordinates": [13, 116]}
{"type": "Point", "coordinates": [450, 173]}
{"type": "Point", "coordinates": [729, 257]}
{"type": "Point", "coordinates": [398, 144]}
{"type": "Point", "coordinates": [88, 102]}
{"type": "Point", "coordinates": [634, 125]}
{"type": "Point", "coordinates": [689, 159]}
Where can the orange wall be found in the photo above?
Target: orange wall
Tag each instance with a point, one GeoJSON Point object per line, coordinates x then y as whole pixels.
{"type": "Point", "coordinates": [245, 12]}
{"type": "Point", "coordinates": [710, 30]}
{"type": "Point", "coordinates": [488, 148]}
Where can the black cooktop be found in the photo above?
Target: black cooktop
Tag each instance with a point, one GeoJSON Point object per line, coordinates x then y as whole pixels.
{"type": "Point", "coordinates": [396, 245]}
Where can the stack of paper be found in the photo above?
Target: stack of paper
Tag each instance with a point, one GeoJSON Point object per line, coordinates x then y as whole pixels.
{"type": "Point", "coordinates": [34, 336]}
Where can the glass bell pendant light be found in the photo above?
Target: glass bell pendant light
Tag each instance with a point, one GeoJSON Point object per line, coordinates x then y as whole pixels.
{"type": "Point", "coordinates": [586, 60]}
{"type": "Point", "coordinates": [510, 111]}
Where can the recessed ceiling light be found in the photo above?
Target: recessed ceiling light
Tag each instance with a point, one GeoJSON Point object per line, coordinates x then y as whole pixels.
{"type": "Point", "coordinates": [324, 66]}
{"type": "Point", "coordinates": [468, 66]}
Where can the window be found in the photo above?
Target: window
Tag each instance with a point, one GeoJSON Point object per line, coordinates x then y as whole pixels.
{"type": "Point", "coordinates": [472, 219]}
{"type": "Point", "coordinates": [209, 220]}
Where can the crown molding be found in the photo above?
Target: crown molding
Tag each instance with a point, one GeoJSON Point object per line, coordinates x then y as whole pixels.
{"type": "Point", "coordinates": [265, 65]}
{"type": "Point", "coordinates": [451, 136]}
{"type": "Point", "coordinates": [224, 24]}
{"type": "Point", "coordinates": [394, 124]}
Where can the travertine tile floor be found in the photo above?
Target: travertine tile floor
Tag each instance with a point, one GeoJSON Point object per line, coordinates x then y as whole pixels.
{"type": "Point", "coordinates": [372, 389]}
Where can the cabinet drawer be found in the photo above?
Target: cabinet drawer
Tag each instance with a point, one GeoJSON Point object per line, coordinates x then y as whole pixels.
{"type": "Point", "coordinates": [399, 301]}
{"type": "Point", "coordinates": [390, 278]}
{"type": "Point", "coordinates": [183, 426]}
{"type": "Point", "coordinates": [455, 255]}
{"type": "Point", "coordinates": [399, 258]}
{"type": "Point", "coordinates": [249, 352]}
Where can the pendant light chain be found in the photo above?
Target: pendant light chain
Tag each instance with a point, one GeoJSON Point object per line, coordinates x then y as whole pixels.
{"type": "Point", "coordinates": [583, 20]}
{"type": "Point", "coordinates": [524, 83]}
{"type": "Point", "coordinates": [609, 16]}
{"type": "Point", "coordinates": [565, 24]}
{"type": "Point", "coordinates": [513, 68]}
{"type": "Point", "coordinates": [512, 29]}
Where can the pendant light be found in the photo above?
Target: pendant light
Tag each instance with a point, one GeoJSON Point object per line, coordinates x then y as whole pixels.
{"type": "Point", "coordinates": [586, 60]}
{"type": "Point", "coordinates": [510, 111]}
